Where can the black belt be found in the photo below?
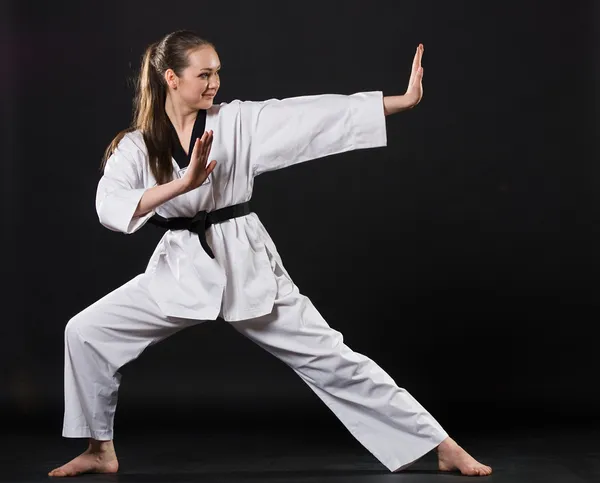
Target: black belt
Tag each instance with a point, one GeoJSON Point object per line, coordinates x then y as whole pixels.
{"type": "Point", "coordinates": [200, 223]}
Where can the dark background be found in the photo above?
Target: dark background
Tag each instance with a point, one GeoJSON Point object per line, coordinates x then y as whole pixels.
{"type": "Point", "coordinates": [461, 257]}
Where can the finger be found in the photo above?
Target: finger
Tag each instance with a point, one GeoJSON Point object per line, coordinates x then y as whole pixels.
{"type": "Point", "coordinates": [418, 57]}
{"type": "Point", "coordinates": [415, 63]}
{"type": "Point", "coordinates": [197, 147]}
{"type": "Point", "coordinates": [206, 145]}
{"type": "Point", "coordinates": [209, 139]}
{"type": "Point", "coordinates": [203, 138]}
{"type": "Point", "coordinates": [210, 167]}
{"type": "Point", "coordinates": [417, 79]}
{"type": "Point", "coordinates": [202, 149]}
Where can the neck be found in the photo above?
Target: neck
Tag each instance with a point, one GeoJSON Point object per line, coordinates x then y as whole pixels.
{"type": "Point", "coordinates": [182, 117]}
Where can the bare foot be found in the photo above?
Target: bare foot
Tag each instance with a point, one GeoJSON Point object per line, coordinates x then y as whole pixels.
{"type": "Point", "coordinates": [452, 457]}
{"type": "Point", "coordinates": [100, 457]}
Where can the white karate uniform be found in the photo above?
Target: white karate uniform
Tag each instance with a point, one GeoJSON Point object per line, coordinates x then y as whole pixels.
{"type": "Point", "coordinates": [246, 283]}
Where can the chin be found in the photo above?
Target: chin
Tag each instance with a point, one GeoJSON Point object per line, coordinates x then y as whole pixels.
{"type": "Point", "coordinates": [205, 103]}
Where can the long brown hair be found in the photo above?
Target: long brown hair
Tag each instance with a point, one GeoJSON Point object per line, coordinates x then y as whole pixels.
{"type": "Point", "coordinates": [150, 116]}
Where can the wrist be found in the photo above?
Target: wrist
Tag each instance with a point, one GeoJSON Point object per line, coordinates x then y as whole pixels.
{"type": "Point", "coordinates": [181, 186]}
{"type": "Point", "coordinates": [394, 104]}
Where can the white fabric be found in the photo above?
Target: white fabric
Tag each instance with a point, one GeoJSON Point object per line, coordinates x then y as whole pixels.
{"type": "Point", "coordinates": [250, 138]}
{"type": "Point", "coordinates": [386, 419]}
{"type": "Point", "coordinates": [246, 283]}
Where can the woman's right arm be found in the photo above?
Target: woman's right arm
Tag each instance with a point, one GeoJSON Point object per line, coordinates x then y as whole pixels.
{"type": "Point", "coordinates": [156, 196]}
{"type": "Point", "coordinates": [195, 175]}
{"type": "Point", "coordinates": [124, 204]}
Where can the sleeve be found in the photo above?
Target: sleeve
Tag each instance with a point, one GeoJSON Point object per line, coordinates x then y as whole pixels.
{"type": "Point", "coordinates": [294, 130]}
{"type": "Point", "coordinates": [119, 192]}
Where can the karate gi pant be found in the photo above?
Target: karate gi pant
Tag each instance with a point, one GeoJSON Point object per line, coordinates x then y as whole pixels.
{"type": "Point", "coordinates": [115, 330]}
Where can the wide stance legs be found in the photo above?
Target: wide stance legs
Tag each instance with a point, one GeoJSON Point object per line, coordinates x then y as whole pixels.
{"type": "Point", "coordinates": [385, 418]}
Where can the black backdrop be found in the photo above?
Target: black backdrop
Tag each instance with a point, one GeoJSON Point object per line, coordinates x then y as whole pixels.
{"type": "Point", "coordinates": [461, 257]}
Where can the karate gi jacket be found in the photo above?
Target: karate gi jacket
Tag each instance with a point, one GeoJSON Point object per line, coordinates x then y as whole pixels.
{"type": "Point", "coordinates": [250, 138]}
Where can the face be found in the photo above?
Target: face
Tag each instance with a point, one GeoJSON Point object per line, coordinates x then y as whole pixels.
{"type": "Point", "coordinates": [199, 81]}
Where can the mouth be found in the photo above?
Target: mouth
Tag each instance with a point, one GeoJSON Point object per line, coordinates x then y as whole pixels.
{"type": "Point", "coordinates": [210, 96]}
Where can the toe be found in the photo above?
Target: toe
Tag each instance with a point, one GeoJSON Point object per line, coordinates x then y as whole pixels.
{"type": "Point", "coordinates": [478, 471]}
{"type": "Point", "coordinates": [484, 470]}
{"type": "Point", "coordinates": [57, 472]}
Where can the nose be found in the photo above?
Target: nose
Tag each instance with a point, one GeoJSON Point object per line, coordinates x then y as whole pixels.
{"type": "Point", "coordinates": [213, 83]}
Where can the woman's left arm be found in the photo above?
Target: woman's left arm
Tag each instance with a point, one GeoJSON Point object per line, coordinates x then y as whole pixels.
{"type": "Point", "coordinates": [285, 132]}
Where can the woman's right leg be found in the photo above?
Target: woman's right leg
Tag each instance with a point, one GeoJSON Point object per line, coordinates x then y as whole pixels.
{"type": "Point", "coordinates": [98, 341]}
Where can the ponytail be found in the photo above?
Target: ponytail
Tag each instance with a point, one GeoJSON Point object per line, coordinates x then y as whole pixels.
{"type": "Point", "coordinates": [150, 117]}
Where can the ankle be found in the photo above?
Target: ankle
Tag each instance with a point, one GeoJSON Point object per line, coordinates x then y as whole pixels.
{"type": "Point", "coordinates": [97, 446]}
{"type": "Point", "coordinates": [446, 444]}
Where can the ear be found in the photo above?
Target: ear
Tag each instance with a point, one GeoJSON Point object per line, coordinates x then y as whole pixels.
{"type": "Point", "coordinates": [171, 79]}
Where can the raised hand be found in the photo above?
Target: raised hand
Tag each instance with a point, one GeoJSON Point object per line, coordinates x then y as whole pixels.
{"type": "Point", "coordinates": [198, 170]}
{"type": "Point", "coordinates": [414, 92]}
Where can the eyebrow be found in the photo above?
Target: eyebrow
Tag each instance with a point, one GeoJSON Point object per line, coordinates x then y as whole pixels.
{"type": "Point", "coordinates": [209, 68]}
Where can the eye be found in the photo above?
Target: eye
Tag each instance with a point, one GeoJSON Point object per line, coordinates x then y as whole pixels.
{"type": "Point", "coordinates": [204, 75]}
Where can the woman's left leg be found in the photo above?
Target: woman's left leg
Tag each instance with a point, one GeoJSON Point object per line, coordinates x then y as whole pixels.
{"type": "Point", "coordinates": [383, 417]}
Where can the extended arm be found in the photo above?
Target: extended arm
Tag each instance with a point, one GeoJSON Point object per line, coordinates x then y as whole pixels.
{"type": "Point", "coordinates": [285, 132]}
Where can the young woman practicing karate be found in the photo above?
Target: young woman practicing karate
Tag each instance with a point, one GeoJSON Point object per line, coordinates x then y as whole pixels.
{"type": "Point", "coordinates": [217, 260]}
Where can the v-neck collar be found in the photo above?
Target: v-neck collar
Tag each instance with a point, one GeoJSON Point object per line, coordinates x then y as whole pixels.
{"type": "Point", "coordinates": [177, 150]}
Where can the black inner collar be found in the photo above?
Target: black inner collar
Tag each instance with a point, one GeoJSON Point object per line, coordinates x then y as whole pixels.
{"type": "Point", "coordinates": [177, 149]}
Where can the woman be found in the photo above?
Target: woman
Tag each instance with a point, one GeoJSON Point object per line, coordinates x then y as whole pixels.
{"type": "Point", "coordinates": [217, 259]}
